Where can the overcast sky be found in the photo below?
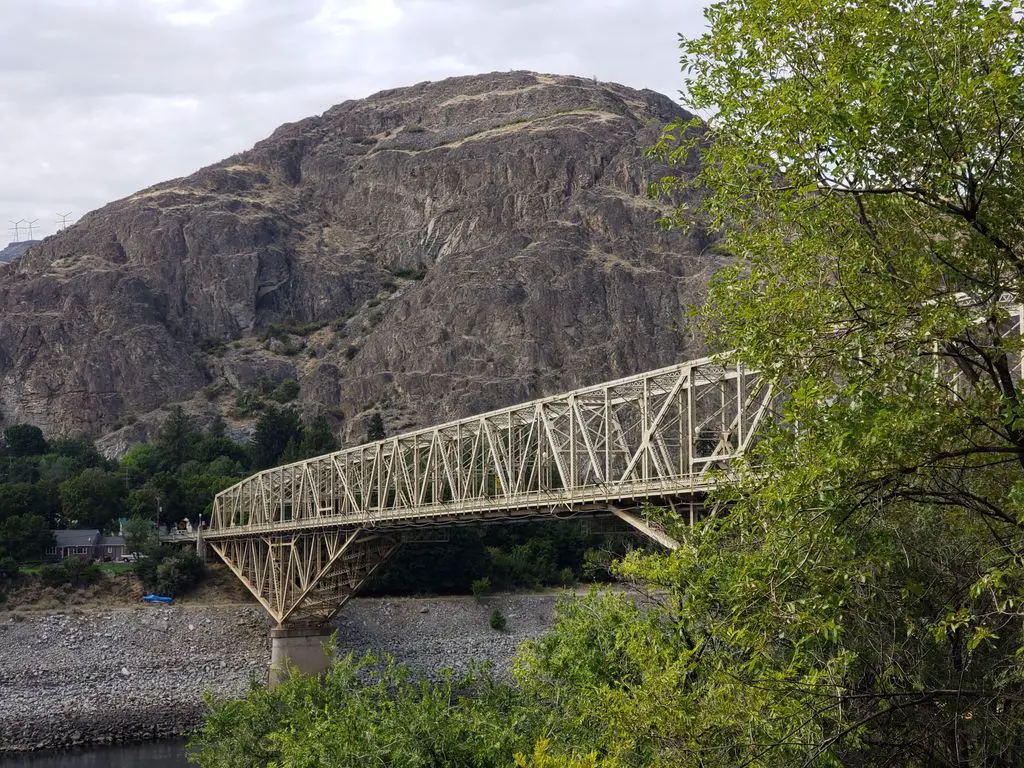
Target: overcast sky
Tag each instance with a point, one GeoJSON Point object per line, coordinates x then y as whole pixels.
{"type": "Point", "coordinates": [100, 98]}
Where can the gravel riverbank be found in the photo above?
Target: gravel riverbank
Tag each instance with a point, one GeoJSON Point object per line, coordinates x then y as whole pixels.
{"type": "Point", "coordinates": [93, 676]}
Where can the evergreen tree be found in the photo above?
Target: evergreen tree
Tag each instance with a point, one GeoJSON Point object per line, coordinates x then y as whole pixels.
{"type": "Point", "coordinates": [275, 428]}
{"type": "Point", "coordinates": [375, 428]}
{"type": "Point", "coordinates": [317, 438]}
{"type": "Point", "coordinates": [176, 438]}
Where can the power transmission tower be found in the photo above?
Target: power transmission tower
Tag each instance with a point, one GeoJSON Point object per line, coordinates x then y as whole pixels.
{"type": "Point", "coordinates": [16, 229]}
{"type": "Point", "coordinates": [31, 225]}
{"type": "Point", "coordinates": [63, 223]}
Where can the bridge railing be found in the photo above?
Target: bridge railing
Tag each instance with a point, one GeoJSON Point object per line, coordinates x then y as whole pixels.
{"type": "Point", "coordinates": [655, 434]}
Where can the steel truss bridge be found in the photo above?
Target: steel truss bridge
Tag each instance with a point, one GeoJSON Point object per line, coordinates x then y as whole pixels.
{"type": "Point", "coordinates": [304, 537]}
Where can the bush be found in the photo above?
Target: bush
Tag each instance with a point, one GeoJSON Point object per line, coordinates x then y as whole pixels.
{"type": "Point", "coordinates": [248, 402]}
{"type": "Point", "coordinates": [481, 587]}
{"type": "Point", "coordinates": [168, 571]}
{"type": "Point", "coordinates": [8, 568]}
{"type": "Point", "coordinates": [498, 621]}
{"type": "Point", "coordinates": [286, 391]}
{"type": "Point", "coordinates": [71, 571]}
{"type": "Point", "coordinates": [416, 273]}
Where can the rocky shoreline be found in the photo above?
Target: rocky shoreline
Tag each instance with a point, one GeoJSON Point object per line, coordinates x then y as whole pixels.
{"type": "Point", "coordinates": [77, 677]}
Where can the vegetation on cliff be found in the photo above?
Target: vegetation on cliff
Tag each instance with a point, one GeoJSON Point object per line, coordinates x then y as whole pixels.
{"type": "Point", "coordinates": [857, 599]}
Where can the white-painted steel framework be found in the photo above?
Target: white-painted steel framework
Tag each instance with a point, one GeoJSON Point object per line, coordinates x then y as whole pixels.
{"type": "Point", "coordinates": [303, 537]}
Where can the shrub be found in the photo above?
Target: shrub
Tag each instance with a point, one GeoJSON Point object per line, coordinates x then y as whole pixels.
{"type": "Point", "coordinates": [169, 571]}
{"type": "Point", "coordinates": [481, 587]}
{"type": "Point", "coordinates": [498, 621]}
{"type": "Point", "coordinates": [248, 402]}
{"type": "Point", "coordinates": [70, 570]}
{"type": "Point", "coordinates": [286, 391]}
{"type": "Point", "coordinates": [8, 568]}
{"type": "Point", "coordinates": [566, 577]}
{"type": "Point", "coordinates": [415, 273]}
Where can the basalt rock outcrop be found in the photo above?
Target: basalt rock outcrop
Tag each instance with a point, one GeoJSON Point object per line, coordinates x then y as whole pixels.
{"type": "Point", "coordinates": [427, 253]}
{"type": "Point", "coordinates": [14, 250]}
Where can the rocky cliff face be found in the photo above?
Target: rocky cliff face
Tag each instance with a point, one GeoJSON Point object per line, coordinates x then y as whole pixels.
{"type": "Point", "coordinates": [14, 250]}
{"type": "Point", "coordinates": [428, 252]}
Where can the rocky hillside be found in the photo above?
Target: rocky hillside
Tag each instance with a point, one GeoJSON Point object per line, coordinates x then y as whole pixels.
{"type": "Point", "coordinates": [425, 253]}
{"type": "Point", "coordinates": [14, 250]}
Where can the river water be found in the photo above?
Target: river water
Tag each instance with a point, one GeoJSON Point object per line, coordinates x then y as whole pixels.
{"type": "Point", "coordinates": [161, 754]}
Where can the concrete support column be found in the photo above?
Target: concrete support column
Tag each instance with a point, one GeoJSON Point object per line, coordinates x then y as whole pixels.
{"type": "Point", "coordinates": [301, 648]}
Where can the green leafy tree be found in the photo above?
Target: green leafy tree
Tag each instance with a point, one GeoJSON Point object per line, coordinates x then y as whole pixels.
{"type": "Point", "coordinates": [53, 468]}
{"type": "Point", "coordinates": [144, 503]}
{"type": "Point", "coordinates": [169, 570]}
{"type": "Point", "coordinates": [28, 499]}
{"type": "Point", "coordinates": [25, 538]}
{"type": "Point", "coordinates": [82, 452]}
{"type": "Point", "coordinates": [24, 440]}
{"type": "Point", "coordinates": [140, 535]}
{"type": "Point", "coordinates": [140, 463]}
{"type": "Point", "coordinates": [93, 499]}
{"type": "Point", "coordinates": [863, 163]}
{"type": "Point", "coordinates": [20, 469]}
{"type": "Point", "coordinates": [211, 448]}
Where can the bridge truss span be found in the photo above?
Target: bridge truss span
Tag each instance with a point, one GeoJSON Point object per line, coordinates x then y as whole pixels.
{"type": "Point", "coordinates": [657, 436]}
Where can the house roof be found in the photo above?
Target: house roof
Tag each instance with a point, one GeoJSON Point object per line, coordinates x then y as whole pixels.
{"type": "Point", "coordinates": [110, 541]}
{"type": "Point", "coordinates": [76, 537]}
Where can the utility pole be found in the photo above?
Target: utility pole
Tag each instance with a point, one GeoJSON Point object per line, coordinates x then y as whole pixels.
{"type": "Point", "coordinates": [16, 229]}
{"type": "Point", "coordinates": [31, 225]}
{"type": "Point", "coordinates": [63, 223]}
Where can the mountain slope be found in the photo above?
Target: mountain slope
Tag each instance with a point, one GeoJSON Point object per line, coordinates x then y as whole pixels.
{"type": "Point", "coordinates": [427, 252]}
{"type": "Point", "coordinates": [14, 250]}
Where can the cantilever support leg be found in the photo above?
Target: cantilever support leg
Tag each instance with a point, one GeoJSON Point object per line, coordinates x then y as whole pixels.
{"type": "Point", "coordinates": [305, 578]}
{"type": "Point", "coordinates": [646, 528]}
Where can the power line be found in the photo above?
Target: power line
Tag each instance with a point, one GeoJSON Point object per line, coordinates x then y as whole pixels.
{"type": "Point", "coordinates": [16, 229]}
{"type": "Point", "coordinates": [31, 225]}
{"type": "Point", "coordinates": [63, 223]}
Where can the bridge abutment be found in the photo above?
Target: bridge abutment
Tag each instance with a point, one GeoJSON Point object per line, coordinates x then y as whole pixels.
{"type": "Point", "coordinates": [298, 648]}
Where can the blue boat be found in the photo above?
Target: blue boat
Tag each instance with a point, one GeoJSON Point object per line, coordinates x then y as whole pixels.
{"type": "Point", "coordinates": [157, 599]}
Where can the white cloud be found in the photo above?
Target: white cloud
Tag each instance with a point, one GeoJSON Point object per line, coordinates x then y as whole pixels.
{"type": "Point", "coordinates": [103, 97]}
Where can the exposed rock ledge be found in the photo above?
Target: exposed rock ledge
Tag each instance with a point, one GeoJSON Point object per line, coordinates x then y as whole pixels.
{"type": "Point", "coordinates": [92, 677]}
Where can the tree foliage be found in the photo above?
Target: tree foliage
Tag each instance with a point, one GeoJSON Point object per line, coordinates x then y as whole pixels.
{"type": "Point", "coordinates": [275, 429]}
{"type": "Point", "coordinates": [375, 428]}
{"type": "Point", "coordinates": [24, 440]}
{"type": "Point", "coordinates": [24, 538]}
{"type": "Point", "coordinates": [92, 499]}
{"type": "Point", "coordinates": [860, 602]}
{"type": "Point", "coordinates": [364, 712]}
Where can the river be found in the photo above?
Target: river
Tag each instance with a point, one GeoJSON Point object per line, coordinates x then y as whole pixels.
{"type": "Point", "coordinates": [160, 754]}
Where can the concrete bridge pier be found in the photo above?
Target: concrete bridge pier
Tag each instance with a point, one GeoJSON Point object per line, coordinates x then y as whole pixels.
{"type": "Point", "coordinates": [299, 648]}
